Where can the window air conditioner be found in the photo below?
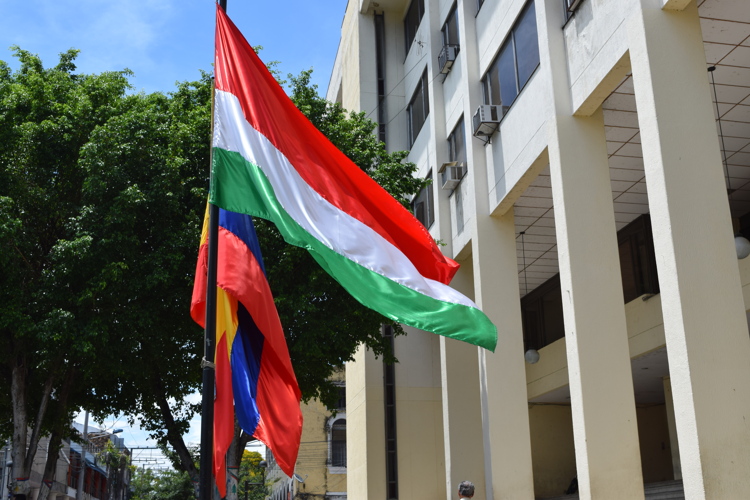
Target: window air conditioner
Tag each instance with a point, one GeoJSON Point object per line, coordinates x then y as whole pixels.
{"type": "Point", "coordinates": [487, 119]}
{"type": "Point", "coordinates": [447, 57]}
{"type": "Point", "coordinates": [451, 174]}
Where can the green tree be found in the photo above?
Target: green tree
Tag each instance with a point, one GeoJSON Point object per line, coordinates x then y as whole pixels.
{"type": "Point", "coordinates": [117, 463]}
{"type": "Point", "coordinates": [100, 201]}
{"type": "Point", "coordinates": [252, 484]}
{"type": "Point", "coordinates": [102, 196]}
{"type": "Point", "coordinates": [143, 484]}
{"type": "Point", "coordinates": [165, 485]}
{"type": "Point", "coordinates": [50, 329]}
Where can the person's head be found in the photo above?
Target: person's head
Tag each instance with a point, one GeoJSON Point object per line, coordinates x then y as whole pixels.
{"type": "Point", "coordinates": [466, 489]}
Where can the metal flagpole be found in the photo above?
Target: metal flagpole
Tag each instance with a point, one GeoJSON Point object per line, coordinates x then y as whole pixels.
{"type": "Point", "coordinates": [207, 405]}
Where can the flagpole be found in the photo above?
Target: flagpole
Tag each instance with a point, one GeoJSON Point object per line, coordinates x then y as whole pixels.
{"type": "Point", "coordinates": [207, 404]}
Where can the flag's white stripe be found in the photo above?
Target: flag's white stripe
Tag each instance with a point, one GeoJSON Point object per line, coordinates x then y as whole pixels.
{"type": "Point", "coordinates": [335, 228]}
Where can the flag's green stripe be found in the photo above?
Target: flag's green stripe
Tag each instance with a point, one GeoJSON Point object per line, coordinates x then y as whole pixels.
{"type": "Point", "coordinates": [246, 189]}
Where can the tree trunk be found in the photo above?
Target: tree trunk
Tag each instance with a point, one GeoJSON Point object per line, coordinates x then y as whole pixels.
{"type": "Point", "coordinates": [173, 435]}
{"type": "Point", "coordinates": [50, 467]}
{"type": "Point", "coordinates": [234, 457]}
{"type": "Point", "coordinates": [18, 400]}
{"type": "Point", "coordinates": [37, 430]}
{"type": "Point", "coordinates": [55, 438]}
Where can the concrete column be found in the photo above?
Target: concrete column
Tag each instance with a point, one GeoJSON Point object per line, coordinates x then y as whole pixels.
{"type": "Point", "coordinates": [365, 432]}
{"type": "Point", "coordinates": [605, 428]}
{"type": "Point", "coordinates": [419, 427]}
{"type": "Point", "coordinates": [601, 385]}
{"type": "Point", "coordinates": [704, 316]}
{"type": "Point", "coordinates": [505, 410]}
{"type": "Point", "coordinates": [462, 416]}
{"type": "Point", "coordinates": [673, 440]}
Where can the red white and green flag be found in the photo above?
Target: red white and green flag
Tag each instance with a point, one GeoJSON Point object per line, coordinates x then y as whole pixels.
{"type": "Point", "coordinates": [269, 161]}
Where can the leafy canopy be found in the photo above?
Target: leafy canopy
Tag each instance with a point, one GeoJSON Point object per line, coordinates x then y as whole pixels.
{"type": "Point", "coordinates": [102, 194]}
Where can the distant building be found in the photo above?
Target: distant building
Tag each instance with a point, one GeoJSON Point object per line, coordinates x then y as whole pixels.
{"type": "Point", "coordinates": [321, 464]}
{"type": "Point", "coordinates": [99, 482]}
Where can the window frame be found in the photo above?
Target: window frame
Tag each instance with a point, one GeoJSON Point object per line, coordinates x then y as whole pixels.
{"type": "Point", "coordinates": [426, 197]}
{"type": "Point", "coordinates": [510, 44]}
{"type": "Point", "coordinates": [410, 31]}
{"type": "Point", "coordinates": [332, 421]}
{"type": "Point", "coordinates": [642, 266]}
{"type": "Point", "coordinates": [421, 93]}
{"type": "Point", "coordinates": [459, 130]}
{"type": "Point", "coordinates": [445, 31]}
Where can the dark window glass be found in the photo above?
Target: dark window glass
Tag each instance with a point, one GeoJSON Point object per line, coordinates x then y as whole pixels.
{"type": "Point", "coordinates": [541, 309]}
{"type": "Point", "coordinates": [637, 260]}
{"type": "Point", "coordinates": [492, 85]}
{"type": "Point", "coordinates": [338, 443]}
{"type": "Point", "coordinates": [515, 63]}
{"type": "Point", "coordinates": [457, 142]}
{"type": "Point", "coordinates": [459, 199]}
{"type": "Point", "coordinates": [507, 73]}
{"type": "Point", "coordinates": [527, 45]}
{"type": "Point", "coordinates": [418, 109]}
{"type": "Point", "coordinates": [423, 205]}
{"type": "Point", "coordinates": [552, 314]}
{"type": "Point", "coordinates": [412, 20]}
{"type": "Point", "coordinates": [341, 403]}
{"type": "Point", "coordinates": [450, 28]}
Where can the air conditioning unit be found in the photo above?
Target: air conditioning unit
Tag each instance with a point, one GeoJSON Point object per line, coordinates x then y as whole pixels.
{"type": "Point", "coordinates": [447, 57]}
{"type": "Point", "coordinates": [451, 174]}
{"type": "Point", "coordinates": [487, 119]}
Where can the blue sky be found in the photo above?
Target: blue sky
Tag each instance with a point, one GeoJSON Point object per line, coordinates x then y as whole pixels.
{"type": "Point", "coordinates": [167, 41]}
{"type": "Point", "coordinates": [170, 40]}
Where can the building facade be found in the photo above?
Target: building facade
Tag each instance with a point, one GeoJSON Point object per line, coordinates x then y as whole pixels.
{"type": "Point", "coordinates": [590, 167]}
{"type": "Point", "coordinates": [99, 481]}
{"type": "Point", "coordinates": [320, 471]}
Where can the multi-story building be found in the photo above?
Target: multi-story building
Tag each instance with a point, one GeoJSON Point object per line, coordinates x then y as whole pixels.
{"type": "Point", "coordinates": [99, 480]}
{"type": "Point", "coordinates": [590, 167]}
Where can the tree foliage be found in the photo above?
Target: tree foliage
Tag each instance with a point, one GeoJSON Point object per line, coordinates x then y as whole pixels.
{"type": "Point", "coordinates": [147, 484]}
{"type": "Point", "coordinates": [102, 194]}
{"type": "Point", "coordinates": [252, 477]}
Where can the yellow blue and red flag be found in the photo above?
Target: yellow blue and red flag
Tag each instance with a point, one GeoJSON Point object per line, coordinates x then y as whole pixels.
{"type": "Point", "coordinates": [254, 375]}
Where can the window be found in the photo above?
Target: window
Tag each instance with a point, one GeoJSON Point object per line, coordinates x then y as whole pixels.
{"type": "Point", "coordinates": [423, 205]}
{"type": "Point", "coordinates": [457, 142]}
{"type": "Point", "coordinates": [541, 312]}
{"type": "Point", "coordinates": [418, 109]}
{"type": "Point", "coordinates": [515, 63]}
{"type": "Point", "coordinates": [448, 53]}
{"type": "Point", "coordinates": [338, 443]}
{"type": "Point", "coordinates": [341, 403]}
{"type": "Point", "coordinates": [450, 28]}
{"type": "Point", "coordinates": [637, 259]}
{"type": "Point", "coordinates": [541, 308]}
{"type": "Point", "coordinates": [412, 20]}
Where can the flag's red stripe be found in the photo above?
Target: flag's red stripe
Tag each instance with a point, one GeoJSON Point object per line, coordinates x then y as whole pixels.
{"type": "Point", "coordinates": [223, 414]}
{"type": "Point", "coordinates": [328, 171]}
